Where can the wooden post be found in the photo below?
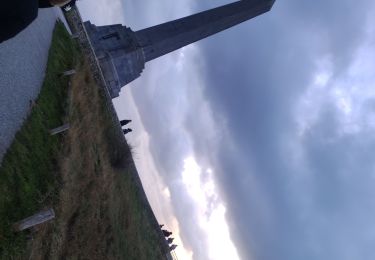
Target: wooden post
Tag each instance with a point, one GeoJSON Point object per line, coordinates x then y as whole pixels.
{"type": "Point", "coordinates": [59, 129]}
{"type": "Point", "coordinates": [39, 218]}
{"type": "Point", "coordinates": [68, 72]}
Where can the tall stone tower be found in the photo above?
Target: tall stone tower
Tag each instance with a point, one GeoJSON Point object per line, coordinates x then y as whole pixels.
{"type": "Point", "coordinates": [122, 53]}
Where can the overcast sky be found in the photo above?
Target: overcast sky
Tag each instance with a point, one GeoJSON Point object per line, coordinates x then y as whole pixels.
{"type": "Point", "coordinates": [258, 142]}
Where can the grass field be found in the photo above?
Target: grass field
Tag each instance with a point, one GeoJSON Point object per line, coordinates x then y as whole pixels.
{"type": "Point", "coordinates": [29, 169]}
{"type": "Point", "coordinates": [89, 180]}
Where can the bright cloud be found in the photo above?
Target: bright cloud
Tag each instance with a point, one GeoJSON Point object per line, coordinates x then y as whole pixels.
{"type": "Point", "coordinates": [210, 210]}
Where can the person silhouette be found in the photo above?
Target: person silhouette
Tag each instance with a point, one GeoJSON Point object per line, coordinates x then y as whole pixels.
{"type": "Point", "coordinates": [125, 122]}
{"type": "Point", "coordinates": [127, 130]}
{"type": "Point", "coordinates": [166, 233]}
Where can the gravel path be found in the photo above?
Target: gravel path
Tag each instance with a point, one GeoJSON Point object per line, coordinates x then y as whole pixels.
{"type": "Point", "coordinates": [23, 61]}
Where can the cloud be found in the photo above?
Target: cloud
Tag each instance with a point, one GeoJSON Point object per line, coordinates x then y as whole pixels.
{"type": "Point", "coordinates": [286, 55]}
{"type": "Point", "coordinates": [209, 213]}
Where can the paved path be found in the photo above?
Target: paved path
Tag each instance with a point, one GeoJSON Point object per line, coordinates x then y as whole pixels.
{"type": "Point", "coordinates": [23, 61]}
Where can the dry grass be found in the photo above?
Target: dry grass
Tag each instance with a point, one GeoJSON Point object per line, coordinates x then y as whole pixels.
{"type": "Point", "coordinates": [82, 223]}
{"type": "Point", "coordinates": [101, 213]}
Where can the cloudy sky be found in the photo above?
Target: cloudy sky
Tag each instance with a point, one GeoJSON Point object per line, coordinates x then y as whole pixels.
{"type": "Point", "coordinates": [258, 143]}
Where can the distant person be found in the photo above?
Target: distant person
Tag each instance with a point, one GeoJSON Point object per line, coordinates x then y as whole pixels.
{"type": "Point", "coordinates": [16, 15]}
{"type": "Point", "coordinates": [125, 122]}
{"type": "Point", "coordinates": [170, 240]}
{"type": "Point", "coordinates": [166, 233]}
{"type": "Point", "coordinates": [172, 247]}
{"type": "Point", "coordinates": [127, 130]}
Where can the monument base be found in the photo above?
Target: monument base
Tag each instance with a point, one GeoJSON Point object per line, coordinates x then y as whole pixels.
{"type": "Point", "coordinates": [117, 51]}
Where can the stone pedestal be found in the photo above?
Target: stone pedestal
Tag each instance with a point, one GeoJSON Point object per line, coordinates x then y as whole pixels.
{"type": "Point", "coordinates": [119, 56]}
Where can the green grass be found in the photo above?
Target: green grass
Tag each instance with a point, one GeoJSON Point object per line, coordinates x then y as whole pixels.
{"type": "Point", "coordinates": [28, 170]}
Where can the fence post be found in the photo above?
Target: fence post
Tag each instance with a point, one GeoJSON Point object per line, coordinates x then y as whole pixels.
{"type": "Point", "coordinates": [38, 218]}
{"type": "Point", "coordinates": [68, 72]}
{"type": "Point", "coordinates": [59, 129]}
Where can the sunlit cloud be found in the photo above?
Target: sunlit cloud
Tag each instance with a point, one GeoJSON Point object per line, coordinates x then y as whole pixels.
{"type": "Point", "coordinates": [210, 210]}
{"type": "Point", "coordinates": [182, 252]}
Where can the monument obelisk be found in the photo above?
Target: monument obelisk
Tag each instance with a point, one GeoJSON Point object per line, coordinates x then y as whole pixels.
{"type": "Point", "coordinates": [122, 53]}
